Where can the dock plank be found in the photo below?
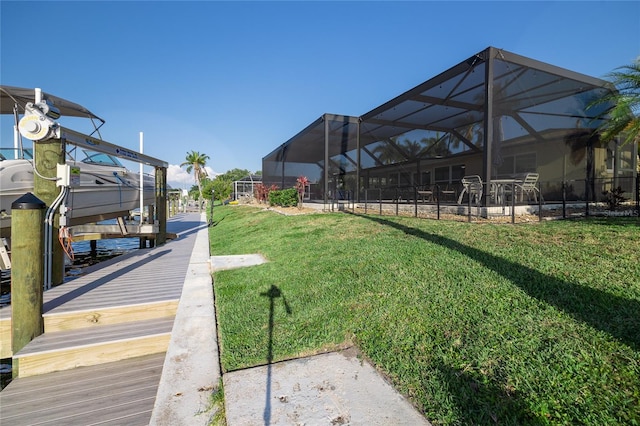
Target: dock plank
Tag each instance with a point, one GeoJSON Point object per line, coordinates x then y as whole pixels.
{"type": "Point", "coordinates": [49, 342]}
{"type": "Point", "coordinates": [100, 394]}
{"type": "Point", "coordinates": [105, 316]}
{"type": "Point", "coordinates": [143, 276]}
{"type": "Point", "coordinates": [113, 393]}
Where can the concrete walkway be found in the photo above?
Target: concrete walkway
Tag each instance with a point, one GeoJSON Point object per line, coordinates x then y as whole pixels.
{"type": "Point", "coordinates": [335, 388]}
{"type": "Point", "coordinates": [191, 368]}
{"type": "Point", "coordinates": [329, 389]}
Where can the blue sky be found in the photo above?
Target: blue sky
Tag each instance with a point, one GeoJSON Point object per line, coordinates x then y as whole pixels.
{"type": "Point", "coordinates": [234, 80]}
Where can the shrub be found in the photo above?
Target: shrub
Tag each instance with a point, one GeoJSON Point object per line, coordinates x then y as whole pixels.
{"type": "Point", "coordinates": [301, 184]}
{"type": "Point", "coordinates": [285, 197]}
{"type": "Point", "coordinates": [262, 192]}
{"type": "Point", "coordinates": [614, 198]}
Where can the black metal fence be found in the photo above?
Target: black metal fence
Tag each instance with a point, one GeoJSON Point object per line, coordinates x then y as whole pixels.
{"type": "Point", "coordinates": [552, 200]}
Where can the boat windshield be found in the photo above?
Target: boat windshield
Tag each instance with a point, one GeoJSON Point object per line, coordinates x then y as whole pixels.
{"type": "Point", "coordinates": [16, 153]}
{"type": "Point", "coordinates": [101, 158]}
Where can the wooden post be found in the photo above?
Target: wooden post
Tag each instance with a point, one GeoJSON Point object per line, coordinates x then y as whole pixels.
{"type": "Point", "coordinates": [27, 273]}
{"type": "Point", "coordinates": [151, 220]}
{"type": "Point", "coordinates": [161, 204]}
{"type": "Point", "coordinates": [47, 154]}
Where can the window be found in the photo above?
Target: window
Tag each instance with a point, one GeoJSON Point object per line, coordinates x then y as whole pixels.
{"type": "Point", "coordinates": [611, 158]}
{"type": "Point", "coordinates": [442, 174]}
{"type": "Point", "coordinates": [517, 164]}
{"type": "Point", "coordinates": [426, 178]}
{"type": "Point", "coordinates": [457, 172]}
{"type": "Point", "coordinates": [450, 174]}
{"type": "Point", "coordinates": [525, 163]}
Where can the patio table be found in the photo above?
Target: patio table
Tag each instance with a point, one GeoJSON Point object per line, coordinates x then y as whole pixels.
{"type": "Point", "coordinates": [498, 186]}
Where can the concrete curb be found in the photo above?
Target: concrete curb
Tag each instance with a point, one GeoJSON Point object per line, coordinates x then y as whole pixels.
{"type": "Point", "coordinates": [191, 370]}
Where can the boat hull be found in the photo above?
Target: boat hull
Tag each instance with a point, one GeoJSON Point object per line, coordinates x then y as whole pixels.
{"type": "Point", "coordinates": [104, 192]}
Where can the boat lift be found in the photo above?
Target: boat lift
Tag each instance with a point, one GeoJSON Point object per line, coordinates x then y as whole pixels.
{"type": "Point", "coordinates": [39, 125]}
{"type": "Point", "coordinates": [150, 230]}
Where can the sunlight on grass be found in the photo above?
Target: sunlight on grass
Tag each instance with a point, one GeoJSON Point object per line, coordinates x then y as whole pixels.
{"type": "Point", "coordinates": [476, 323]}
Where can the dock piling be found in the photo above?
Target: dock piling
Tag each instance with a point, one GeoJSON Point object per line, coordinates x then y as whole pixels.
{"type": "Point", "coordinates": [27, 274]}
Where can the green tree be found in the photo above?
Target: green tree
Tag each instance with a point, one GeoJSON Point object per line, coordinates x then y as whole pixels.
{"type": "Point", "coordinates": [194, 193]}
{"type": "Point", "coordinates": [234, 174]}
{"type": "Point", "coordinates": [622, 118]}
{"type": "Point", "coordinates": [195, 162]}
{"type": "Point", "coordinates": [223, 183]}
{"type": "Point", "coordinates": [387, 151]}
{"type": "Point", "coordinates": [223, 188]}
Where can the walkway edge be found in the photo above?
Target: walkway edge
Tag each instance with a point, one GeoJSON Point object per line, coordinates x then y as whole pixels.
{"type": "Point", "coordinates": [191, 371]}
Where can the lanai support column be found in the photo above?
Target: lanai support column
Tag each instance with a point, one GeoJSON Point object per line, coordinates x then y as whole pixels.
{"type": "Point", "coordinates": [358, 160]}
{"type": "Point", "coordinates": [326, 159]}
{"type": "Point", "coordinates": [488, 123]}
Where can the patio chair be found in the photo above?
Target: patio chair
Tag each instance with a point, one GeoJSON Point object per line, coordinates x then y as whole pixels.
{"type": "Point", "coordinates": [448, 191]}
{"type": "Point", "coordinates": [426, 192]}
{"type": "Point", "coordinates": [473, 186]}
{"type": "Point", "coordinates": [528, 187]}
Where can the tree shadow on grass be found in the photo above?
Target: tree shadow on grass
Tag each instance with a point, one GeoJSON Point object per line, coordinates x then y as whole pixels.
{"type": "Point", "coordinates": [480, 403]}
{"type": "Point", "coordinates": [615, 315]}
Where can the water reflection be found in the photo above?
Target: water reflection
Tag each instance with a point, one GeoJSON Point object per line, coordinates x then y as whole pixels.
{"type": "Point", "coordinates": [84, 256]}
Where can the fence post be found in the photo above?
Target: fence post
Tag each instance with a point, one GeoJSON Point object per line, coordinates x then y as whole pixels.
{"type": "Point", "coordinates": [397, 201]}
{"type": "Point", "coordinates": [366, 199]}
{"type": "Point", "coordinates": [539, 201]}
{"type": "Point", "coordinates": [415, 201]}
{"type": "Point", "coordinates": [380, 199]}
{"type": "Point", "coordinates": [438, 201]}
{"type": "Point", "coordinates": [212, 201]}
{"type": "Point", "coordinates": [564, 199]}
{"type": "Point", "coordinates": [513, 203]}
{"type": "Point", "coordinates": [587, 194]}
{"type": "Point", "coordinates": [638, 195]}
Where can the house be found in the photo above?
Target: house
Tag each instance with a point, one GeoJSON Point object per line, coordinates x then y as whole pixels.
{"type": "Point", "coordinates": [497, 115]}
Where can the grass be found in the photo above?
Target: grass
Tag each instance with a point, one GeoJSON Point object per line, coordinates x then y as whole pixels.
{"type": "Point", "coordinates": [475, 323]}
{"type": "Point", "coordinates": [217, 402]}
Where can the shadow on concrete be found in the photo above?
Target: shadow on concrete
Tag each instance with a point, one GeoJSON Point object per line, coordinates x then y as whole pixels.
{"type": "Point", "coordinates": [273, 293]}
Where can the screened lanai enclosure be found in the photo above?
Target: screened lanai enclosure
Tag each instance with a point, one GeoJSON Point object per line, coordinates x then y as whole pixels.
{"type": "Point", "coordinates": [245, 188]}
{"type": "Point", "coordinates": [498, 127]}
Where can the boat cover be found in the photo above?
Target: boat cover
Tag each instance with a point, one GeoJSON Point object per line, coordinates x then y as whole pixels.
{"type": "Point", "coordinates": [10, 95]}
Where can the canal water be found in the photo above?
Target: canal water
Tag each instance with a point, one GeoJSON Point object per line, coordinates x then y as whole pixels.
{"type": "Point", "coordinates": [105, 249]}
{"type": "Point", "coordinates": [83, 258]}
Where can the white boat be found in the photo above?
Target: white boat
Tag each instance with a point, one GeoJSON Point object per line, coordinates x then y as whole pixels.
{"type": "Point", "coordinates": [107, 188]}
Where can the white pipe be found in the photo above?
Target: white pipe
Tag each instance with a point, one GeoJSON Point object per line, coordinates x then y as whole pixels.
{"type": "Point", "coordinates": [16, 135]}
{"type": "Point", "coordinates": [141, 178]}
{"type": "Point", "coordinates": [38, 95]}
{"type": "Point", "coordinates": [48, 236]}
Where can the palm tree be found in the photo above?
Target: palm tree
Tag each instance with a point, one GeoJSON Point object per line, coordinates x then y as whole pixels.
{"type": "Point", "coordinates": [623, 115]}
{"type": "Point", "coordinates": [388, 152]}
{"type": "Point", "coordinates": [195, 163]}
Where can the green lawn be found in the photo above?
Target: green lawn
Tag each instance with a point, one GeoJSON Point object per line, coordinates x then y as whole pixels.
{"type": "Point", "coordinates": [476, 323]}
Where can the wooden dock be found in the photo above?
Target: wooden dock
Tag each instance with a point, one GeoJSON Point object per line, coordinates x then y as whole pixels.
{"type": "Point", "coordinates": [101, 357]}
